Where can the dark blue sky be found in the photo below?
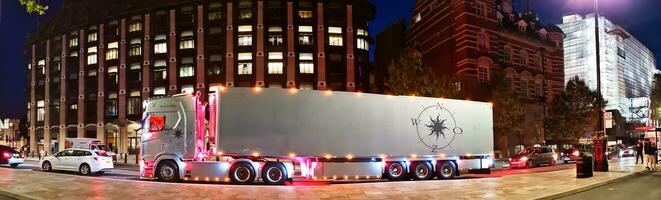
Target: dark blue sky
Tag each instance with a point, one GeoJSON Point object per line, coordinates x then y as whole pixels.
{"type": "Point", "coordinates": [640, 17]}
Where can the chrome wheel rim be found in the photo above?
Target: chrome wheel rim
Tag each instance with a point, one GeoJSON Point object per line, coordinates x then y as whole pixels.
{"type": "Point", "coordinates": [167, 172]}
{"type": "Point", "coordinates": [395, 169]}
{"type": "Point", "coordinates": [446, 170]}
{"type": "Point", "coordinates": [421, 171]}
{"type": "Point", "coordinates": [274, 174]}
{"type": "Point", "coordinates": [84, 169]}
{"type": "Point", "coordinates": [46, 166]}
{"type": "Point", "coordinates": [242, 174]}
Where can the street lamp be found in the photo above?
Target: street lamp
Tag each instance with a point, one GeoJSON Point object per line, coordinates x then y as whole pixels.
{"type": "Point", "coordinates": [601, 134]}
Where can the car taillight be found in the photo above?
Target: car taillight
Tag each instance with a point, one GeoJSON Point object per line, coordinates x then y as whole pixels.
{"type": "Point", "coordinates": [6, 155]}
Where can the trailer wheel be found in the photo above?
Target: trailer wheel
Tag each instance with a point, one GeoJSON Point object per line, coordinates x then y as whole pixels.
{"type": "Point", "coordinates": [396, 171]}
{"type": "Point", "coordinates": [242, 173]}
{"type": "Point", "coordinates": [274, 173]}
{"type": "Point", "coordinates": [422, 170]}
{"type": "Point", "coordinates": [446, 170]}
{"type": "Point", "coordinates": [167, 171]}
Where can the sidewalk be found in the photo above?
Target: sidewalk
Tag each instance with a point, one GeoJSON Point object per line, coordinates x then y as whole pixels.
{"type": "Point", "coordinates": [41, 185]}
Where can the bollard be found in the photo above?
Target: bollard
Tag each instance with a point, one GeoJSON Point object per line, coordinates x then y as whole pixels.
{"type": "Point", "coordinates": [136, 159]}
{"type": "Point", "coordinates": [126, 156]}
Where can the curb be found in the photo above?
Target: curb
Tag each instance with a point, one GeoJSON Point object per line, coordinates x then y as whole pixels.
{"type": "Point", "coordinates": [589, 187]}
{"type": "Point", "coordinates": [9, 194]}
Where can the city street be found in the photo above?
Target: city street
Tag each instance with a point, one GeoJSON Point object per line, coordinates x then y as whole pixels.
{"type": "Point", "coordinates": [29, 182]}
{"type": "Point", "coordinates": [642, 186]}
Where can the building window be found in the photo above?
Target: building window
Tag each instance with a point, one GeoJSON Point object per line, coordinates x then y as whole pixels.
{"type": "Point", "coordinates": [40, 111]}
{"type": "Point", "coordinates": [135, 48]}
{"type": "Point", "coordinates": [507, 55]}
{"type": "Point", "coordinates": [215, 62]}
{"type": "Point", "coordinates": [187, 41]}
{"type": "Point", "coordinates": [275, 36]}
{"type": "Point", "coordinates": [73, 42]}
{"type": "Point", "coordinates": [111, 105]}
{"type": "Point", "coordinates": [245, 9]}
{"type": "Point", "coordinates": [621, 53]}
{"type": "Point", "coordinates": [187, 89]}
{"type": "Point", "coordinates": [186, 69]}
{"type": "Point", "coordinates": [91, 55]}
{"type": "Point", "coordinates": [245, 64]}
{"type": "Point", "coordinates": [305, 14]}
{"type": "Point", "coordinates": [335, 36]}
{"type": "Point", "coordinates": [112, 74]}
{"type": "Point", "coordinates": [160, 70]}
{"type": "Point", "coordinates": [305, 35]}
{"type": "Point", "coordinates": [111, 53]}
{"type": "Point", "coordinates": [362, 32]}
{"type": "Point", "coordinates": [482, 40]}
{"type": "Point", "coordinates": [483, 74]}
{"type": "Point", "coordinates": [363, 44]}
{"type": "Point", "coordinates": [524, 88]}
{"type": "Point", "coordinates": [133, 103]}
{"type": "Point", "coordinates": [160, 46]}
{"type": "Point", "coordinates": [215, 15]}
{"type": "Point", "coordinates": [481, 9]}
{"type": "Point", "coordinates": [306, 64]}
{"type": "Point", "coordinates": [275, 65]}
{"type": "Point", "coordinates": [135, 26]}
{"type": "Point", "coordinates": [159, 91]}
{"type": "Point", "coordinates": [41, 66]}
{"type": "Point", "coordinates": [245, 40]}
{"type": "Point", "coordinates": [92, 37]}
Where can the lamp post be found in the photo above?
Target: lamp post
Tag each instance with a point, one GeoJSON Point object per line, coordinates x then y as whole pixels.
{"type": "Point", "coordinates": [601, 162]}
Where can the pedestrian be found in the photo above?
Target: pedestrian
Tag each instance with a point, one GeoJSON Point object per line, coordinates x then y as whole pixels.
{"type": "Point", "coordinates": [650, 153]}
{"type": "Point", "coordinates": [639, 152]}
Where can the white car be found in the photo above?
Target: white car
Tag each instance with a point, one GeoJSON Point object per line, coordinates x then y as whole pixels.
{"type": "Point", "coordinates": [84, 161]}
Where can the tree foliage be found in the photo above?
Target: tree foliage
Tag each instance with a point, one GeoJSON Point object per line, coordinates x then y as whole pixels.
{"type": "Point", "coordinates": [508, 113]}
{"type": "Point", "coordinates": [655, 98]}
{"type": "Point", "coordinates": [32, 6]}
{"type": "Point", "coordinates": [574, 112]}
{"type": "Point", "coordinates": [409, 76]}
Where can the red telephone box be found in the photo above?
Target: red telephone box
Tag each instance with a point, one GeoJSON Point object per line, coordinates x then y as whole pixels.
{"type": "Point", "coordinates": [600, 158]}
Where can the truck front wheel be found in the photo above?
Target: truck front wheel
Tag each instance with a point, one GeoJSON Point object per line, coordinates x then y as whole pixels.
{"type": "Point", "coordinates": [446, 170]}
{"type": "Point", "coordinates": [274, 173]}
{"type": "Point", "coordinates": [242, 173]}
{"type": "Point", "coordinates": [168, 171]}
{"type": "Point", "coordinates": [395, 171]}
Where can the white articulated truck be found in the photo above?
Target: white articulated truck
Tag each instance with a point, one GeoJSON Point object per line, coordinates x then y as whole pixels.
{"type": "Point", "coordinates": [264, 135]}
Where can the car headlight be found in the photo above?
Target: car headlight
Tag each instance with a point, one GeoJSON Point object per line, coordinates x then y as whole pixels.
{"type": "Point", "coordinates": [524, 158]}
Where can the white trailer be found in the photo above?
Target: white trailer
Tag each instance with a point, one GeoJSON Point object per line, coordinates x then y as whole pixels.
{"type": "Point", "coordinates": [261, 134]}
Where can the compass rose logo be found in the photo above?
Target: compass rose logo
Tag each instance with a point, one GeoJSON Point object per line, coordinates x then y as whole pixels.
{"type": "Point", "coordinates": [436, 127]}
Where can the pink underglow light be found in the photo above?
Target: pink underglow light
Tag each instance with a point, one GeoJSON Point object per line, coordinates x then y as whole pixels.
{"type": "Point", "coordinates": [304, 168]}
{"type": "Point", "coordinates": [199, 107]}
{"type": "Point", "coordinates": [213, 110]}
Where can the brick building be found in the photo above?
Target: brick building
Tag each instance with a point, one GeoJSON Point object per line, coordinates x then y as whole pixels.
{"type": "Point", "coordinates": [95, 61]}
{"type": "Point", "coordinates": [473, 39]}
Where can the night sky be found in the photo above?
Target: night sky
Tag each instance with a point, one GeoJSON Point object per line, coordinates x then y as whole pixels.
{"type": "Point", "coordinates": [640, 17]}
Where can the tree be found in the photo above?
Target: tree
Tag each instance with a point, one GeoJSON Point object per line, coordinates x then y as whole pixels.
{"type": "Point", "coordinates": [574, 112]}
{"type": "Point", "coordinates": [409, 76]}
{"type": "Point", "coordinates": [32, 6]}
{"type": "Point", "coordinates": [508, 113]}
{"type": "Point", "coordinates": [655, 98]}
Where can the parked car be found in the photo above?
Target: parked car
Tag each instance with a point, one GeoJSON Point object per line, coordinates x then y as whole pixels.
{"type": "Point", "coordinates": [84, 161]}
{"type": "Point", "coordinates": [9, 156]}
{"type": "Point", "coordinates": [569, 155]}
{"type": "Point", "coordinates": [613, 152]}
{"type": "Point", "coordinates": [534, 156]}
{"type": "Point", "coordinates": [629, 152]}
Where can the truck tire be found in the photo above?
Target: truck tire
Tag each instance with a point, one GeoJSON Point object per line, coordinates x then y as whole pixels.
{"type": "Point", "coordinates": [242, 173]}
{"type": "Point", "coordinates": [446, 170]}
{"type": "Point", "coordinates": [274, 173]}
{"type": "Point", "coordinates": [421, 170]}
{"type": "Point", "coordinates": [167, 171]}
{"type": "Point", "coordinates": [395, 171]}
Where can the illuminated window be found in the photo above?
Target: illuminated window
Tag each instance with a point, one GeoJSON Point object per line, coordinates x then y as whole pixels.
{"type": "Point", "coordinates": [305, 35]}
{"type": "Point", "coordinates": [160, 70]}
{"type": "Point", "coordinates": [133, 103]}
{"type": "Point", "coordinates": [335, 36]}
{"type": "Point", "coordinates": [275, 65]}
{"type": "Point", "coordinates": [111, 105]}
{"type": "Point", "coordinates": [275, 36]}
{"type": "Point", "coordinates": [135, 26]}
{"type": "Point", "coordinates": [112, 51]}
{"type": "Point", "coordinates": [245, 64]}
{"type": "Point", "coordinates": [135, 48]}
{"type": "Point", "coordinates": [417, 18]}
{"type": "Point", "coordinates": [186, 69]}
{"type": "Point", "coordinates": [306, 64]}
{"type": "Point", "coordinates": [215, 15]}
{"type": "Point", "coordinates": [73, 42]}
{"type": "Point", "coordinates": [41, 66]}
{"type": "Point", "coordinates": [245, 40]}
{"type": "Point", "coordinates": [187, 41]}
{"type": "Point", "coordinates": [91, 55]}
{"type": "Point", "coordinates": [245, 9]}
{"type": "Point", "coordinates": [363, 44]}
{"type": "Point", "coordinates": [112, 74]}
{"type": "Point", "coordinates": [305, 14]}
{"type": "Point", "coordinates": [159, 44]}
{"type": "Point", "coordinates": [92, 37]}
{"type": "Point", "coordinates": [483, 74]}
{"type": "Point", "coordinates": [362, 32]}
{"type": "Point", "coordinates": [40, 111]}
{"type": "Point", "coordinates": [187, 89]}
{"type": "Point", "coordinates": [159, 91]}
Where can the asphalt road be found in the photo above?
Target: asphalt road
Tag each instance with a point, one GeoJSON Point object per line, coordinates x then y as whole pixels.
{"type": "Point", "coordinates": [643, 186]}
